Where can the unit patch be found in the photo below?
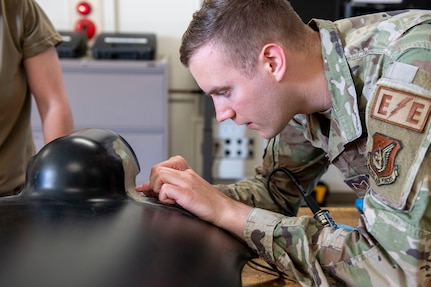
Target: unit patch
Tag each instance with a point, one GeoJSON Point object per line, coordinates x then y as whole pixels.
{"type": "Point", "coordinates": [381, 160]}
{"type": "Point", "coordinates": [402, 109]}
{"type": "Point", "coordinates": [359, 184]}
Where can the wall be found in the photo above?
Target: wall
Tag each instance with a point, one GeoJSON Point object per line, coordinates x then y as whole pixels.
{"type": "Point", "coordinates": [168, 19]}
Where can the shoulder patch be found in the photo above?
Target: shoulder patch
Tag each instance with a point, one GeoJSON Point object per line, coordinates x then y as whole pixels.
{"type": "Point", "coordinates": [400, 108]}
{"type": "Point", "coordinates": [381, 159]}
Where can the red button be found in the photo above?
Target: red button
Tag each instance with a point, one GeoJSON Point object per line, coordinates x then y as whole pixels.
{"type": "Point", "coordinates": [87, 26]}
{"type": "Point", "coordinates": [83, 8]}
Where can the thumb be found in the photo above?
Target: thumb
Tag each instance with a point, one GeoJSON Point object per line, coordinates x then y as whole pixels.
{"type": "Point", "coordinates": [144, 187]}
{"type": "Point", "coordinates": [168, 193]}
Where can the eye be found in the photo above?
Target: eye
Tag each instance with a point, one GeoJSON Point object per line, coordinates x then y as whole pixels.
{"type": "Point", "coordinates": [223, 93]}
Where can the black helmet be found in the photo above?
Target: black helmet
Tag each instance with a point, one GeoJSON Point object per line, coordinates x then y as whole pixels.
{"type": "Point", "coordinates": [90, 164]}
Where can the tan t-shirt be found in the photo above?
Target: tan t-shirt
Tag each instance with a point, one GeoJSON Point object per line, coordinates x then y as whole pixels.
{"type": "Point", "coordinates": [25, 31]}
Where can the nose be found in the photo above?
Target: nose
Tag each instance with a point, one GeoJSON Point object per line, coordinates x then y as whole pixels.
{"type": "Point", "coordinates": [222, 109]}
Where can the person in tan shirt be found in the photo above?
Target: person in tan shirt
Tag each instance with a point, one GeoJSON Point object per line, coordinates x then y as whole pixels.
{"type": "Point", "coordinates": [29, 65]}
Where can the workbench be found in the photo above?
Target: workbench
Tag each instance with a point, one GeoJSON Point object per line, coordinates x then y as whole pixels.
{"type": "Point", "coordinates": [253, 276]}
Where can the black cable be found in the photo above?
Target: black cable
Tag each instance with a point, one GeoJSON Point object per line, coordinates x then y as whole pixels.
{"type": "Point", "coordinates": [308, 198]}
{"type": "Point", "coordinates": [322, 216]}
{"type": "Point", "coordinates": [285, 209]}
{"type": "Point", "coordinates": [271, 270]}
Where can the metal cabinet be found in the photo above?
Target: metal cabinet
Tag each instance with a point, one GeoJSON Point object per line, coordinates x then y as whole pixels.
{"type": "Point", "coordinates": [127, 97]}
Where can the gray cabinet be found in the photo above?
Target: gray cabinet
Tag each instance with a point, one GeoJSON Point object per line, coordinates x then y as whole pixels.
{"type": "Point", "coordinates": [127, 97]}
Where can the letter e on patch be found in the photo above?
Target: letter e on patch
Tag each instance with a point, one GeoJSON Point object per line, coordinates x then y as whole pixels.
{"type": "Point", "coordinates": [401, 108]}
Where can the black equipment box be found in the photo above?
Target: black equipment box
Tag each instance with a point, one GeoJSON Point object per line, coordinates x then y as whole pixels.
{"type": "Point", "coordinates": [125, 46]}
{"type": "Point", "coordinates": [74, 44]}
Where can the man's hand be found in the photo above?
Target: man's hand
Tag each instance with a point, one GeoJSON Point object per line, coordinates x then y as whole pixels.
{"type": "Point", "coordinates": [175, 162]}
{"type": "Point", "coordinates": [173, 182]}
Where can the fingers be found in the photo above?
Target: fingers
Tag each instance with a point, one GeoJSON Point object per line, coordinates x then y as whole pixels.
{"type": "Point", "coordinates": [165, 177]}
{"type": "Point", "coordinates": [143, 187]}
{"type": "Point", "coordinates": [173, 182]}
{"type": "Point", "coordinates": [178, 163]}
{"type": "Point", "coordinates": [160, 176]}
{"type": "Point", "coordinates": [166, 195]}
{"type": "Point", "coordinates": [174, 163]}
{"type": "Point", "coordinates": [173, 186]}
{"type": "Point", "coordinates": [146, 189]}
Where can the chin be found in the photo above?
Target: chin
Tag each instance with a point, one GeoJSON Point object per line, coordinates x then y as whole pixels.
{"type": "Point", "coordinates": [269, 132]}
{"type": "Point", "coordinates": [265, 135]}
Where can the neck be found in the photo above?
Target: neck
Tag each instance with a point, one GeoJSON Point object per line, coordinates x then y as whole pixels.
{"type": "Point", "coordinates": [312, 68]}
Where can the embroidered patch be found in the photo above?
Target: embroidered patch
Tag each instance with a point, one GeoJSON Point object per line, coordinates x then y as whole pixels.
{"type": "Point", "coordinates": [402, 109]}
{"type": "Point", "coordinates": [381, 160]}
{"type": "Point", "coordinates": [359, 184]}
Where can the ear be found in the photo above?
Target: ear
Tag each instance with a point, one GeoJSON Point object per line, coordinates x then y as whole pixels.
{"type": "Point", "coordinates": [274, 59]}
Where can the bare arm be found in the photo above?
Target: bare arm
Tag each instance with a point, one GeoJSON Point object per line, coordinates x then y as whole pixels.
{"type": "Point", "coordinates": [46, 84]}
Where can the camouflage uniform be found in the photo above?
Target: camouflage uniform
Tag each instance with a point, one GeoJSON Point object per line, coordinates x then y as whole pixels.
{"type": "Point", "coordinates": [378, 69]}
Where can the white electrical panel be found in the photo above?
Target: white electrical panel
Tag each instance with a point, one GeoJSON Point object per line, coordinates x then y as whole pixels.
{"type": "Point", "coordinates": [237, 151]}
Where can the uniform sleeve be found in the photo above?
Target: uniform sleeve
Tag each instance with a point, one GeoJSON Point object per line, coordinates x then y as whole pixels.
{"type": "Point", "coordinates": [387, 248]}
{"type": "Point", "coordinates": [39, 33]}
{"type": "Point", "coordinates": [289, 150]}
